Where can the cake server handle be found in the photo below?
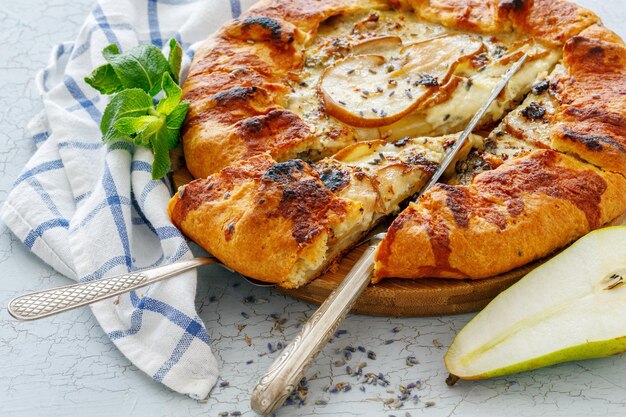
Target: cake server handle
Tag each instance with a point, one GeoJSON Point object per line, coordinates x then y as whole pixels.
{"type": "Point", "coordinates": [46, 303]}
{"type": "Point", "coordinates": [287, 370]}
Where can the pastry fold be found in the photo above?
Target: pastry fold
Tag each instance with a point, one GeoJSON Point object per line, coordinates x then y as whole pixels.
{"type": "Point", "coordinates": [505, 218]}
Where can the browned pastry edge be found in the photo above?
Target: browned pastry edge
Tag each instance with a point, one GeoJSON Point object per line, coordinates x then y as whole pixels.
{"type": "Point", "coordinates": [239, 77]}
{"type": "Point", "coordinates": [507, 217]}
{"type": "Point", "coordinates": [549, 21]}
{"type": "Point", "coordinates": [591, 120]}
{"type": "Point", "coordinates": [264, 217]}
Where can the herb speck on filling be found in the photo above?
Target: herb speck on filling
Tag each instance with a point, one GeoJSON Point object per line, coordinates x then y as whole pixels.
{"type": "Point", "coordinates": [534, 111]}
{"type": "Point", "coordinates": [426, 80]}
{"type": "Point", "coordinates": [402, 141]}
{"type": "Point", "coordinates": [541, 87]}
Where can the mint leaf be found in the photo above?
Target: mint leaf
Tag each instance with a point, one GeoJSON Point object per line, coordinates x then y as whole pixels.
{"type": "Point", "coordinates": [161, 164]}
{"type": "Point", "coordinates": [141, 129]}
{"type": "Point", "coordinates": [175, 58]}
{"type": "Point", "coordinates": [105, 80]}
{"type": "Point", "coordinates": [133, 102]}
{"type": "Point", "coordinates": [173, 123]}
{"type": "Point", "coordinates": [141, 67]}
{"type": "Point", "coordinates": [134, 125]}
{"type": "Point", "coordinates": [147, 135]}
{"type": "Point", "coordinates": [173, 94]}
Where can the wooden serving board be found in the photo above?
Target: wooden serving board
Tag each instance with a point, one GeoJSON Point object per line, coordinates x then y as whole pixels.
{"type": "Point", "coordinates": [396, 297]}
{"type": "Point", "coordinates": [410, 297]}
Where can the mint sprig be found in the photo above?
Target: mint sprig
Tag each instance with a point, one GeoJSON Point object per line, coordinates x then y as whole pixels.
{"type": "Point", "coordinates": [134, 114]}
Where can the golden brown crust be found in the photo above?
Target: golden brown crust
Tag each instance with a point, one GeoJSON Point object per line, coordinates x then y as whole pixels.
{"type": "Point", "coordinates": [307, 14]}
{"type": "Point", "coordinates": [591, 120]}
{"type": "Point", "coordinates": [505, 218]}
{"type": "Point", "coordinates": [259, 217]}
{"type": "Point", "coordinates": [237, 74]}
{"type": "Point", "coordinates": [472, 15]}
{"type": "Point", "coordinates": [549, 21]}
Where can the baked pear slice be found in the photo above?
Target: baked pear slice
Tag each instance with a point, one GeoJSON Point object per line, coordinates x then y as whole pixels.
{"type": "Point", "coordinates": [572, 307]}
{"type": "Point", "coordinates": [383, 45]}
{"type": "Point", "coordinates": [379, 88]}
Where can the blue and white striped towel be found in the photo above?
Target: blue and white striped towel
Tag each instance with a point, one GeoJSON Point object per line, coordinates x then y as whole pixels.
{"type": "Point", "coordinates": [92, 211]}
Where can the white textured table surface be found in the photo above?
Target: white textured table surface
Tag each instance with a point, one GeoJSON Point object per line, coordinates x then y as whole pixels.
{"type": "Point", "coordinates": [66, 366]}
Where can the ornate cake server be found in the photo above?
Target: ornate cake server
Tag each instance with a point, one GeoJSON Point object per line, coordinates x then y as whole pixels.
{"type": "Point", "coordinates": [288, 369]}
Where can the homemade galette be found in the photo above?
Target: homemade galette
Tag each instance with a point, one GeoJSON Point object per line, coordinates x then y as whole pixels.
{"type": "Point", "coordinates": [310, 121]}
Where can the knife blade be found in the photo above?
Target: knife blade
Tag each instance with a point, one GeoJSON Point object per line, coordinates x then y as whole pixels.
{"type": "Point", "coordinates": [287, 370]}
{"type": "Point", "coordinates": [454, 150]}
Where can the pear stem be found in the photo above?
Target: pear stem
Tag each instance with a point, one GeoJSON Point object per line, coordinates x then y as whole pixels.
{"type": "Point", "coordinates": [451, 379]}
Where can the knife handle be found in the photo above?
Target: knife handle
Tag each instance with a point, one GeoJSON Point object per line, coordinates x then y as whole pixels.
{"type": "Point", "coordinates": [46, 303]}
{"type": "Point", "coordinates": [287, 370]}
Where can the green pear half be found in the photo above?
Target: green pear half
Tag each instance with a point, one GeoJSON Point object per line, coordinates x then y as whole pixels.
{"type": "Point", "coordinates": [572, 307]}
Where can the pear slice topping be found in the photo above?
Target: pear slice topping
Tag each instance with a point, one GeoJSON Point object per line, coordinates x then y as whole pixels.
{"type": "Point", "coordinates": [572, 307]}
{"type": "Point", "coordinates": [383, 45]}
{"type": "Point", "coordinates": [378, 88]}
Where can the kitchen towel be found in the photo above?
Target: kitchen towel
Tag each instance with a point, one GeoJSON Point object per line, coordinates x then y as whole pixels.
{"type": "Point", "coordinates": [91, 210]}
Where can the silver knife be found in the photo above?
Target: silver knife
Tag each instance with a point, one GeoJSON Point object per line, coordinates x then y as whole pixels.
{"type": "Point", "coordinates": [471, 125]}
{"type": "Point", "coordinates": [288, 369]}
